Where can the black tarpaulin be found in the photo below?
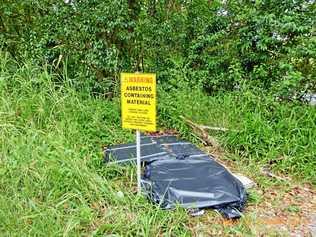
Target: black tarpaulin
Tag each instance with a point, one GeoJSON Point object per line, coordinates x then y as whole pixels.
{"type": "Point", "coordinates": [152, 148]}
{"type": "Point", "coordinates": [178, 173]}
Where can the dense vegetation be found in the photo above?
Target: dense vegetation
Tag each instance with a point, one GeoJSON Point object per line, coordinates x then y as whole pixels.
{"type": "Point", "coordinates": [220, 45]}
{"type": "Point", "coordinates": [244, 65]}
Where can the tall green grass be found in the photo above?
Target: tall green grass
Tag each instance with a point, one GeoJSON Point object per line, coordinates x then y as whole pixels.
{"type": "Point", "coordinates": [53, 181]}
{"type": "Point", "coordinates": [263, 131]}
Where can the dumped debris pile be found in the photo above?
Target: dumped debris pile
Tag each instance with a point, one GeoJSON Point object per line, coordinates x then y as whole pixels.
{"type": "Point", "coordinates": [178, 173]}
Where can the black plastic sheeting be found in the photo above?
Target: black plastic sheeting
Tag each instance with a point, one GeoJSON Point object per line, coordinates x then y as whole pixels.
{"type": "Point", "coordinates": [177, 173]}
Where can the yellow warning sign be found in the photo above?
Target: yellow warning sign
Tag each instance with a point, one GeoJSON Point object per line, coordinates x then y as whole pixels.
{"type": "Point", "coordinates": [138, 100]}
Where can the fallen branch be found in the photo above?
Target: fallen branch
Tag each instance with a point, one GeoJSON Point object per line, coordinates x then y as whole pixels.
{"type": "Point", "coordinates": [265, 171]}
{"type": "Point", "coordinates": [202, 133]}
{"type": "Point", "coordinates": [214, 128]}
{"type": "Point", "coordinates": [204, 127]}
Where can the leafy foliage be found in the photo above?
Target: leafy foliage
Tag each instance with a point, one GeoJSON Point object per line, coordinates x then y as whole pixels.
{"type": "Point", "coordinates": [260, 43]}
{"type": "Point", "coordinates": [220, 45]}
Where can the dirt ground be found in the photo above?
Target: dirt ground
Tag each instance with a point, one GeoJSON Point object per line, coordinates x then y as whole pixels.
{"type": "Point", "coordinates": [281, 208]}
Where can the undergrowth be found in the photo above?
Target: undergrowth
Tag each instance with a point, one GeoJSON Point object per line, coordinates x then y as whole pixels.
{"type": "Point", "coordinates": [262, 130]}
{"type": "Point", "coordinates": [53, 180]}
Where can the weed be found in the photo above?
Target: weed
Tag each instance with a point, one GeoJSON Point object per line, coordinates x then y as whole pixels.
{"type": "Point", "coordinates": [53, 180]}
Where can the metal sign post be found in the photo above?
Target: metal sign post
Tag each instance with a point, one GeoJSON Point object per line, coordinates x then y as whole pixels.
{"type": "Point", "coordinates": [138, 162]}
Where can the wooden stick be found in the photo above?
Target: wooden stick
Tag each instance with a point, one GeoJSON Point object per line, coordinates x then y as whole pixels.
{"type": "Point", "coordinates": [204, 127]}
{"type": "Point", "coordinates": [202, 133]}
{"type": "Point", "coordinates": [214, 128]}
{"type": "Point", "coordinates": [268, 173]}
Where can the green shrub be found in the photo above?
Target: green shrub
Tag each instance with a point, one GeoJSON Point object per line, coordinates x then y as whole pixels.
{"type": "Point", "coordinates": [265, 44]}
{"type": "Point", "coordinates": [218, 45]}
{"type": "Point", "coordinates": [91, 40]}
